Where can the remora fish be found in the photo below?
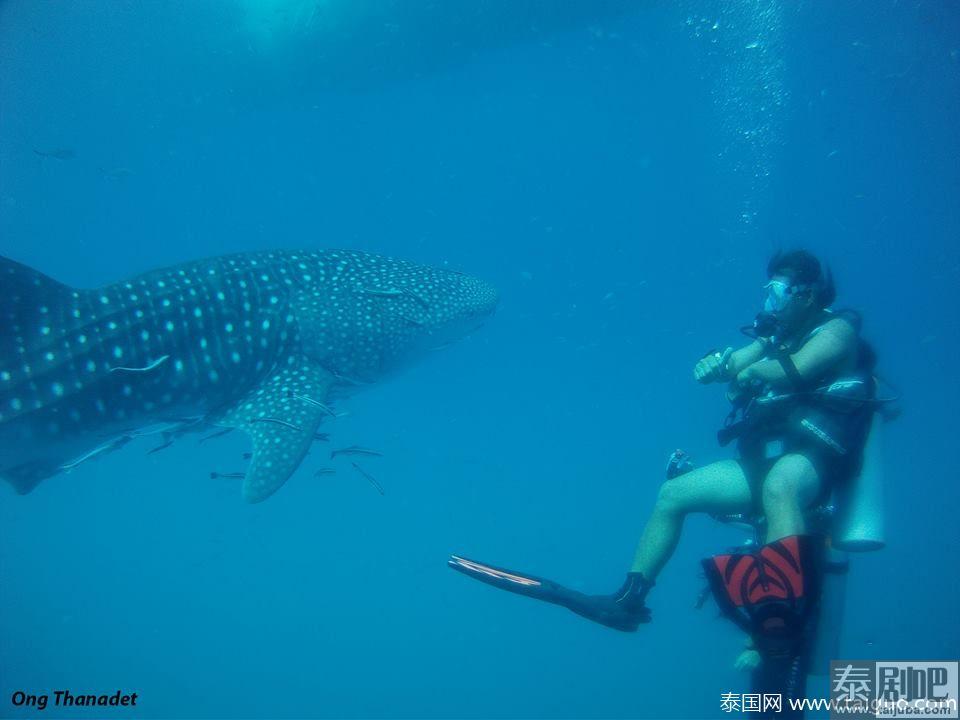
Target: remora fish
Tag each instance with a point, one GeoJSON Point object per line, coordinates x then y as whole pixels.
{"type": "Point", "coordinates": [355, 450]}
{"type": "Point", "coordinates": [57, 153]}
{"type": "Point", "coordinates": [370, 478]}
{"type": "Point", "coordinates": [230, 340]}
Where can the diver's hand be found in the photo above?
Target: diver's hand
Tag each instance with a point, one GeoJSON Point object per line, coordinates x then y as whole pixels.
{"type": "Point", "coordinates": [746, 379]}
{"type": "Point", "coordinates": [712, 367]}
{"type": "Point", "coordinates": [746, 385]}
{"type": "Point", "coordinates": [748, 660]}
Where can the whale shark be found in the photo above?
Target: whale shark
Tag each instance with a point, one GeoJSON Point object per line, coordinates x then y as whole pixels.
{"type": "Point", "coordinates": [261, 342]}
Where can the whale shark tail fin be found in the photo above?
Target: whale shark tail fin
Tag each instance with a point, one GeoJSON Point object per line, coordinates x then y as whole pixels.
{"type": "Point", "coordinates": [25, 478]}
{"type": "Point", "coordinates": [29, 301]}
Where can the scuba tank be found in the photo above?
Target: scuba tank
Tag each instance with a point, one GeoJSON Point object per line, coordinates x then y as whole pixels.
{"type": "Point", "coordinates": [860, 523]}
{"type": "Point", "coordinates": [825, 644]}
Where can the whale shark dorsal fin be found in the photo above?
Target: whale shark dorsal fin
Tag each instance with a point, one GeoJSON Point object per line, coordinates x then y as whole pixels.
{"type": "Point", "coordinates": [281, 415]}
{"type": "Point", "coordinates": [30, 299]}
{"type": "Point", "coordinates": [21, 280]}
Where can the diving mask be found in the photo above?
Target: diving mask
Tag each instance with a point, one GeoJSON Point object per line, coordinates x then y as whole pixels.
{"type": "Point", "coordinates": [780, 291]}
{"type": "Point", "coordinates": [779, 294]}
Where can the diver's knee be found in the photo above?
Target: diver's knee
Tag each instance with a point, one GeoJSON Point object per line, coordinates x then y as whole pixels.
{"type": "Point", "coordinates": [670, 499]}
{"type": "Point", "coordinates": [792, 480]}
{"type": "Point", "coordinates": [780, 488]}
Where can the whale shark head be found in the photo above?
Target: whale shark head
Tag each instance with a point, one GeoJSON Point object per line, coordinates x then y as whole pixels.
{"type": "Point", "coordinates": [368, 316]}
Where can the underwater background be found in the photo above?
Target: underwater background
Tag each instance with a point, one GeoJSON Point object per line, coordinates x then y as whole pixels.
{"type": "Point", "coordinates": [621, 171]}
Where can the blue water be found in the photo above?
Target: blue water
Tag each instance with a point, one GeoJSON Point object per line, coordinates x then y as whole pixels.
{"type": "Point", "coordinates": [622, 172]}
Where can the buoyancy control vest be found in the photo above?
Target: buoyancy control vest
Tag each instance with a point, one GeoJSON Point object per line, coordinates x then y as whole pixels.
{"type": "Point", "coordinates": [831, 411]}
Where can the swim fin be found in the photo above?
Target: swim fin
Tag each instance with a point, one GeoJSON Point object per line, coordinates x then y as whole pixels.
{"type": "Point", "coordinates": [773, 592]}
{"type": "Point", "coordinates": [623, 610]}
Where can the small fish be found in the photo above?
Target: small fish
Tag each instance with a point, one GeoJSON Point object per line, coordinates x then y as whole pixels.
{"type": "Point", "coordinates": [394, 292]}
{"type": "Point", "coordinates": [168, 428]}
{"type": "Point", "coordinates": [158, 448]}
{"type": "Point", "coordinates": [411, 294]}
{"type": "Point", "coordinates": [57, 153]}
{"type": "Point", "coordinates": [97, 451]}
{"type": "Point", "coordinates": [321, 437]}
{"type": "Point", "coordinates": [219, 433]}
{"type": "Point", "coordinates": [155, 364]}
{"type": "Point", "coordinates": [355, 450]}
{"type": "Point", "coordinates": [316, 403]}
{"type": "Point", "coordinates": [277, 421]}
{"type": "Point", "coordinates": [368, 476]}
{"type": "Point", "coordinates": [247, 456]}
{"type": "Point", "coordinates": [409, 320]}
{"type": "Point", "coordinates": [347, 380]}
{"type": "Point", "coordinates": [324, 471]}
{"type": "Point", "coordinates": [228, 476]}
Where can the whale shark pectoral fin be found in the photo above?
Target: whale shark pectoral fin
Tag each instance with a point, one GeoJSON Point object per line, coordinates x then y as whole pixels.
{"type": "Point", "coordinates": [277, 453]}
{"type": "Point", "coordinates": [281, 416]}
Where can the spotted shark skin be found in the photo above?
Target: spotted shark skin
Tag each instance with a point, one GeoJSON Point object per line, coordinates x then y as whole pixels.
{"type": "Point", "coordinates": [256, 341]}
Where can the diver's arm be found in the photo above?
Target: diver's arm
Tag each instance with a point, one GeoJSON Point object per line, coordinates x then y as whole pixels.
{"type": "Point", "coordinates": [718, 366]}
{"type": "Point", "coordinates": [828, 347]}
{"type": "Point", "coordinates": [745, 357]}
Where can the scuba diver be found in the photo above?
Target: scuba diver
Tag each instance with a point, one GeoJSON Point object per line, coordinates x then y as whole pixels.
{"type": "Point", "coordinates": [803, 395]}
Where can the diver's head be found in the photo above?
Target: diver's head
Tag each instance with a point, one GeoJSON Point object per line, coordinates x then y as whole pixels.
{"type": "Point", "coordinates": [797, 290]}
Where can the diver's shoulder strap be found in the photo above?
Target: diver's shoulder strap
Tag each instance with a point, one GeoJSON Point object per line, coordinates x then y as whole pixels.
{"type": "Point", "coordinates": [782, 355]}
{"type": "Point", "coordinates": [781, 352]}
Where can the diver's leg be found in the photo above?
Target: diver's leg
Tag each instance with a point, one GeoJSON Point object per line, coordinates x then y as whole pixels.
{"type": "Point", "coordinates": [792, 484]}
{"type": "Point", "coordinates": [721, 487]}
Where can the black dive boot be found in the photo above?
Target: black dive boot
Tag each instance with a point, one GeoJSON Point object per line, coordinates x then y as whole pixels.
{"type": "Point", "coordinates": [624, 610]}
